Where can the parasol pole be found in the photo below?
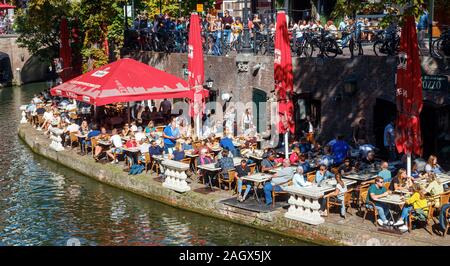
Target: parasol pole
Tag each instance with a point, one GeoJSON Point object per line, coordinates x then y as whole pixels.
{"type": "Point", "coordinates": [128, 112]}
{"type": "Point", "coordinates": [408, 164]}
{"type": "Point", "coordinates": [286, 144]}
{"type": "Point", "coordinates": [197, 125]}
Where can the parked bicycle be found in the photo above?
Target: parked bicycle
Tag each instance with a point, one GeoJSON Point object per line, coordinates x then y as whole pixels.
{"type": "Point", "coordinates": [388, 43]}
{"type": "Point", "coordinates": [324, 41]}
{"type": "Point", "coordinates": [440, 47]}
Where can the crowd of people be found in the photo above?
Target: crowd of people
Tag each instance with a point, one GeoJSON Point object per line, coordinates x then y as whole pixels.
{"type": "Point", "coordinates": [6, 23]}
{"type": "Point", "coordinates": [308, 164]}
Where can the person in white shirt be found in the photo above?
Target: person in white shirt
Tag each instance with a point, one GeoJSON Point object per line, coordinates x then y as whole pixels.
{"type": "Point", "coordinates": [247, 120]}
{"type": "Point", "coordinates": [338, 193]}
{"type": "Point", "coordinates": [299, 179]}
{"type": "Point", "coordinates": [48, 116]}
{"type": "Point", "coordinates": [139, 135]}
{"type": "Point", "coordinates": [73, 127]}
{"type": "Point", "coordinates": [117, 146]}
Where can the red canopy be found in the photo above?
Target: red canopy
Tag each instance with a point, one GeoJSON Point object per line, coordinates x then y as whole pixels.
{"type": "Point", "coordinates": [65, 52]}
{"type": "Point", "coordinates": [125, 80]}
{"type": "Point", "coordinates": [409, 92]}
{"type": "Point", "coordinates": [195, 63]}
{"type": "Point", "coordinates": [6, 6]}
{"type": "Point", "coordinates": [284, 80]}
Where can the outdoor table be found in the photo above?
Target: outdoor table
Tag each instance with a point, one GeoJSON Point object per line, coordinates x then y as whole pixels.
{"type": "Point", "coordinates": [329, 185]}
{"type": "Point", "coordinates": [360, 177]}
{"type": "Point", "coordinates": [211, 167]}
{"type": "Point", "coordinates": [392, 199]}
{"type": "Point", "coordinates": [132, 153]}
{"type": "Point", "coordinates": [257, 179]}
{"type": "Point", "coordinates": [104, 143]}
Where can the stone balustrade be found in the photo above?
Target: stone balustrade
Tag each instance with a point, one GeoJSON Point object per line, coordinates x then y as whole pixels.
{"type": "Point", "coordinates": [175, 173]}
{"type": "Point", "coordinates": [304, 205]}
{"type": "Point", "coordinates": [24, 115]}
{"type": "Point", "coordinates": [55, 136]}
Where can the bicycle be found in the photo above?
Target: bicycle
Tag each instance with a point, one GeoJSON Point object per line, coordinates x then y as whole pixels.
{"type": "Point", "coordinates": [440, 47]}
{"type": "Point", "coordinates": [387, 43]}
{"type": "Point", "coordinates": [324, 41]}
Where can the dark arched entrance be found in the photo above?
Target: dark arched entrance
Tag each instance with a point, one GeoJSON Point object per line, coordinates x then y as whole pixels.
{"type": "Point", "coordinates": [260, 99]}
{"type": "Point", "coordinates": [6, 74]}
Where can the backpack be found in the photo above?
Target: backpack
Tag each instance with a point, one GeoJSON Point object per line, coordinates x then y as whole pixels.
{"type": "Point", "coordinates": [136, 169]}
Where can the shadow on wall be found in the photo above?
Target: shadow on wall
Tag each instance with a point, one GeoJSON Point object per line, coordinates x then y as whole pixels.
{"type": "Point", "coordinates": [6, 74]}
{"type": "Point", "coordinates": [34, 70]}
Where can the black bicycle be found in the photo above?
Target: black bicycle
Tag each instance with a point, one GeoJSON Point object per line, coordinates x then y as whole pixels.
{"type": "Point", "coordinates": [440, 47]}
{"type": "Point", "coordinates": [324, 41]}
{"type": "Point", "coordinates": [387, 43]}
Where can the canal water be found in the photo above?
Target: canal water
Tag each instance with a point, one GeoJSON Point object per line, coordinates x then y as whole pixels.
{"type": "Point", "coordinates": [42, 203]}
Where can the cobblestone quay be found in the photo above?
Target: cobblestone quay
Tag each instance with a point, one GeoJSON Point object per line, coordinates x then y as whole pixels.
{"type": "Point", "coordinates": [334, 231]}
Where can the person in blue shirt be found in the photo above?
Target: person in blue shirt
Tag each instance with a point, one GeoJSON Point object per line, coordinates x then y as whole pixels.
{"type": "Point", "coordinates": [422, 26]}
{"type": "Point", "coordinates": [340, 150]}
{"type": "Point", "coordinates": [327, 159]}
{"type": "Point", "coordinates": [385, 173]}
{"type": "Point", "coordinates": [227, 143]}
{"type": "Point", "coordinates": [304, 163]}
{"type": "Point", "coordinates": [155, 149]}
{"type": "Point", "coordinates": [178, 153]}
{"type": "Point", "coordinates": [170, 135]}
{"type": "Point", "coordinates": [323, 174]}
{"type": "Point", "coordinates": [187, 145]}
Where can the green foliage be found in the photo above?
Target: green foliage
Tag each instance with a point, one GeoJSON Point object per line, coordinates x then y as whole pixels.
{"type": "Point", "coordinates": [94, 58]}
{"type": "Point", "coordinates": [172, 7]}
{"type": "Point", "coordinates": [38, 26]}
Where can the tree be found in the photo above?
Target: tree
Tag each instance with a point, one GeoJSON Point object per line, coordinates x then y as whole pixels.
{"type": "Point", "coordinates": [172, 7]}
{"type": "Point", "coordinates": [41, 36]}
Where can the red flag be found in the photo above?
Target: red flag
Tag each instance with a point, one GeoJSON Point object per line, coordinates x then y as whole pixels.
{"type": "Point", "coordinates": [65, 51]}
{"type": "Point", "coordinates": [284, 80]}
{"type": "Point", "coordinates": [195, 64]}
{"type": "Point", "coordinates": [409, 92]}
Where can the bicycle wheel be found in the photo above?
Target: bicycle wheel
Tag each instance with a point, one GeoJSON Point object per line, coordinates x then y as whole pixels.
{"type": "Point", "coordinates": [377, 46]}
{"type": "Point", "coordinates": [331, 49]}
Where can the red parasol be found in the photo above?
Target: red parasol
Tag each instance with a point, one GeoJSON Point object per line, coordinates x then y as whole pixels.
{"type": "Point", "coordinates": [65, 52]}
{"type": "Point", "coordinates": [409, 92]}
{"type": "Point", "coordinates": [6, 6]}
{"type": "Point", "coordinates": [125, 80]}
{"type": "Point", "coordinates": [195, 64]}
{"type": "Point", "coordinates": [284, 80]}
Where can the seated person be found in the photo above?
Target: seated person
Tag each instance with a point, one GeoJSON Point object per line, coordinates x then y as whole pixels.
{"type": "Point", "coordinates": [116, 146]}
{"type": "Point", "coordinates": [225, 163]}
{"type": "Point", "coordinates": [414, 171]}
{"type": "Point", "coordinates": [299, 179]}
{"type": "Point", "coordinates": [227, 143]}
{"type": "Point", "coordinates": [139, 134]}
{"type": "Point", "coordinates": [346, 168]}
{"type": "Point", "coordinates": [150, 131]}
{"type": "Point", "coordinates": [204, 157]}
{"type": "Point", "coordinates": [155, 149]}
{"type": "Point", "coordinates": [284, 175]}
{"type": "Point", "coordinates": [323, 174]}
{"type": "Point", "coordinates": [178, 152]}
{"type": "Point", "coordinates": [442, 217]}
{"type": "Point", "coordinates": [304, 145]}
{"type": "Point", "coordinates": [187, 145]}
{"type": "Point", "coordinates": [294, 157]}
{"type": "Point", "coordinates": [369, 160]}
{"type": "Point", "coordinates": [243, 170]}
{"type": "Point", "coordinates": [143, 148]}
{"type": "Point", "coordinates": [433, 166]}
{"type": "Point", "coordinates": [203, 145]}
{"type": "Point", "coordinates": [126, 131]}
{"type": "Point", "coordinates": [416, 202]}
{"type": "Point", "coordinates": [385, 173]}
{"type": "Point", "coordinates": [268, 163]}
{"type": "Point", "coordinates": [99, 148]}
{"type": "Point", "coordinates": [401, 181]}
{"type": "Point", "coordinates": [376, 191]}
{"type": "Point", "coordinates": [304, 163]}
{"type": "Point", "coordinates": [339, 192]}
{"type": "Point", "coordinates": [434, 188]}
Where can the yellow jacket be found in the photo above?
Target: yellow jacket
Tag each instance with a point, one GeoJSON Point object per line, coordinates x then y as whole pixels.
{"type": "Point", "coordinates": [416, 202]}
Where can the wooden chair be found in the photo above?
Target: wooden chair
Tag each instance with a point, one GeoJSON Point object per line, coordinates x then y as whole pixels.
{"type": "Point", "coordinates": [231, 179]}
{"type": "Point", "coordinates": [333, 202]}
{"type": "Point", "coordinates": [40, 120]}
{"type": "Point", "coordinates": [447, 218]}
{"type": "Point", "coordinates": [277, 193]}
{"type": "Point", "coordinates": [368, 207]}
{"type": "Point", "coordinates": [94, 142]}
{"type": "Point", "coordinates": [444, 198]}
{"type": "Point", "coordinates": [73, 139]}
{"type": "Point", "coordinates": [335, 169]}
{"type": "Point", "coordinates": [147, 161]}
{"type": "Point", "coordinates": [154, 166]}
{"type": "Point", "coordinates": [357, 195]}
{"type": "Point", "coordinates": [311, 177]}
{"type": "Point", "coordinates": [412, 218]}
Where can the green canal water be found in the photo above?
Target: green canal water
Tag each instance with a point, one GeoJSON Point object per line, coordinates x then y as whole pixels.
{"type": "Point", "coordinates": [42, 203]}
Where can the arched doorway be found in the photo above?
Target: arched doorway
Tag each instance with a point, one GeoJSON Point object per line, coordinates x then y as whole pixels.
{"type": "Point", "coordinates": [6, 74]}
{"type": "Point", "coordinates": [259, 97]}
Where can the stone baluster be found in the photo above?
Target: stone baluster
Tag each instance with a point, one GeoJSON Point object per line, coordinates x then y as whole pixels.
{"type": "Point", "coordinates": [175, 173]}
{"type": "Point", "coordinates": [55, 136]}
{"type": "Point", "coordinates": [24, 115]}
{"type": "Point", "coordinates": [304, 205]}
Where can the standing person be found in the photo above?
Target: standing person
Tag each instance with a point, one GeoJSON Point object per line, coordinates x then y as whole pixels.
{"type": "Point", "coordinates": [360, 134]}
{"type": "Point", "coordinates": [227, 21]}
{"type": "Point", "coordinates": [170, 135]}
{"type": "Point", "coordinates": [166, 108]}
{"type": "Point", "coordinates": [389, 140]}
{"type": "Point", "coordinates": [422, 26]}
{"type": "Point", "coordinates": [307, 129]}
{"type": "Point", "coordinates": [340, 150]}
{"type": "Point", "coordinates": [247, 121]}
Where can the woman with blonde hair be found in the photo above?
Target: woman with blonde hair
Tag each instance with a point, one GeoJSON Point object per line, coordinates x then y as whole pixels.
{"type": "Point", "coordinates": [416, 202]}
{"type": "Point", "coordinates": [434, 188]}
{"type": "Point", "coordinates": [432, 165]}
{"type": "Point", "coordinates": [400, 181]}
